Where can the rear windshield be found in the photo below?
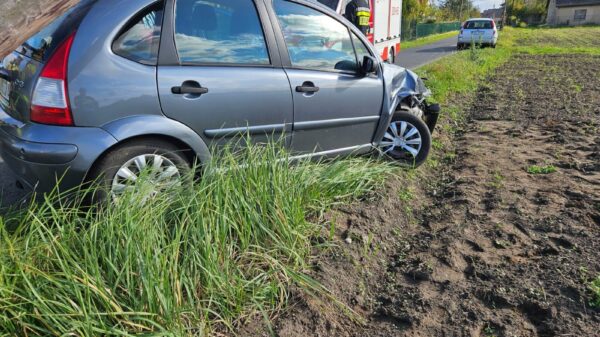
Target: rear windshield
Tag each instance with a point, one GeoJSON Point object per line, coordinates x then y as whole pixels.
{"type": "Point", "coordinates": [480, 24]}
{"type": "Point", "coordinates": [41, 45]}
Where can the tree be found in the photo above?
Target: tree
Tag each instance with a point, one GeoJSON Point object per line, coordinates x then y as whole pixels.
{"type": "Point", "coordinates": [20, 19]}
{"type": "Point", "coordinates": [415, 10]}
{"type": "Point", "coordinates": [458, 9]}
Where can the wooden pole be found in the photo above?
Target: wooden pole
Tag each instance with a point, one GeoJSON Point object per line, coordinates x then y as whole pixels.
{"type": "Point", "coordinates": [20, 19]}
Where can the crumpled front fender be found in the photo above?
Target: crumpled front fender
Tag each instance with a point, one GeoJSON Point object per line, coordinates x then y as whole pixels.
{"type": "Point", "coordinates": [399, 83]}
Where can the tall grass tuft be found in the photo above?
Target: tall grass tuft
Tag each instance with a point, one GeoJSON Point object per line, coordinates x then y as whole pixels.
{"type": "Point", "coordinates": [198, 260]}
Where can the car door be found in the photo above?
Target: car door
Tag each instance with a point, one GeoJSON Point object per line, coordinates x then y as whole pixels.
{"type": "Point", "coordinates": [216, 73]}
{"type": "Point", "coordinates": [335, 108]}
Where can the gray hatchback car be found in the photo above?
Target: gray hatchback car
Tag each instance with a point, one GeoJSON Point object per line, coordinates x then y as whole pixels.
{"type": "Point", "coordinates": [114, 87]}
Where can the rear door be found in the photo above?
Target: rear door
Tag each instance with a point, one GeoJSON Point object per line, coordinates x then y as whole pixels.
{"type": "Point", "coordinates": [335, 108]}
{"type": "Point", "coordinates": [223, 81]}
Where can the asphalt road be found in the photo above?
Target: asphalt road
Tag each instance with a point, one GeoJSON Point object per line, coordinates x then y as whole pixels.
{"type": "Point", "coordinates": [415, 57]}
{"type": "Point", "coordinates": [412, 58]}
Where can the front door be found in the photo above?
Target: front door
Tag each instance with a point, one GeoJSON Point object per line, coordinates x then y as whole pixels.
{"type": "Point", "coordinates": [225, 84]}
{"type": "Point", "coordinates": [335, 108]}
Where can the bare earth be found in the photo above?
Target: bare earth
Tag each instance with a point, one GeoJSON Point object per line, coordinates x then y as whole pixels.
{"type": "Point", "coordinates": [488, 249]}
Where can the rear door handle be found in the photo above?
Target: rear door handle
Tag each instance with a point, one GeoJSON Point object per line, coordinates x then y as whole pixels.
{"type": "Point", "coordinates": [187, 89]}
{"type": "Point", "coordinates": [307, 87]}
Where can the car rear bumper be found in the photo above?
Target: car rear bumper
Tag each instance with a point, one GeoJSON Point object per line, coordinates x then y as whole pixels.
{"type": "Point", "coordinates": [44, 157]}
{"type": "Point", "coordinates": [483, 40]}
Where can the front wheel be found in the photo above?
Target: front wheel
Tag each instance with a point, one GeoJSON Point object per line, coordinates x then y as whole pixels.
{"type": "Point", "coordinates": [407, 140]}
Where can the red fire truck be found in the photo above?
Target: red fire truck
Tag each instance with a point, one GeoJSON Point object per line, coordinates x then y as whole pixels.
{"type": "Point", "coordinates": [386, 22]}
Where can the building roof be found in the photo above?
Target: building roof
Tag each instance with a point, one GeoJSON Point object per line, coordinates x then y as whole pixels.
{"type": "Point", "coordinates": [573, 3]}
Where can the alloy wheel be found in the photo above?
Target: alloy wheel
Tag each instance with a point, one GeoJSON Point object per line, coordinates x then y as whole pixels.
{"type": "Point", "coordinates": [402, 139]}
{"type": "Point", "coordinates": [148, 174]}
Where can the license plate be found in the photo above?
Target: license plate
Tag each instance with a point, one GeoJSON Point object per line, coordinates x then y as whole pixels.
{"type": "Point", "coordinates": [4, 90]}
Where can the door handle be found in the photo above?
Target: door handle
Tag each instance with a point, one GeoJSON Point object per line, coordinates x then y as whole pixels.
{"type": "Point", "coordinates": [307, 87]}
{"type": "Point", "coordinates": [187, 89]}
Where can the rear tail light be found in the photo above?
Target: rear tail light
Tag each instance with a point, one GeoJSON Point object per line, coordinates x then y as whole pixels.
{"type": "Point", "coordinates": [50, 104]}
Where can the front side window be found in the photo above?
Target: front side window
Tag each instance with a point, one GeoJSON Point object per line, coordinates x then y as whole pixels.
{"type": "Point", "coordinates": [140, 40]}
{"type": "Point", "coordinates": [315, 40]}
{"type": "Point", "coordinates": [361, 49]}
{"type": "Point", "coordinates": [219, 32]}
{"type": "Point", "coordinates": [580, 14]}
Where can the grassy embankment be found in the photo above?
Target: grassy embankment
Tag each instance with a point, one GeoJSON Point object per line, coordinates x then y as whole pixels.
{"type": "Point", "coordinates": [428, 39]}
{"type": "Point", "coordinates": [223, 250]}
{"type": "Point", "coordinates": [217, 252]}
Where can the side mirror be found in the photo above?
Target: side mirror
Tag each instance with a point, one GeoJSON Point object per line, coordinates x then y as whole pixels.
{"type": "Point", "coordinates": [369, 65]}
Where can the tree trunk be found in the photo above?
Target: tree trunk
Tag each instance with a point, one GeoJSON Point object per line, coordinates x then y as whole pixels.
{"type": "Point", "coordinates": [20, 19]}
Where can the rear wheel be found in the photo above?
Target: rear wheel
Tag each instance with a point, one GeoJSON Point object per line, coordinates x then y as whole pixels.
{"type": "Point", "coordinates": [407, 140]}
{"type": "Point", "coordinates": [148, 167]}
{"type": "Point", "coordinates": [392, 56]}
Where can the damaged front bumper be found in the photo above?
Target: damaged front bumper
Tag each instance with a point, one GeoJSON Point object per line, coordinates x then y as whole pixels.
{"type": "Point", "coordinates": [405, 90]}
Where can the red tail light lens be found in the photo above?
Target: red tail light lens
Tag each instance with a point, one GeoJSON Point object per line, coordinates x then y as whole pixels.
{"type": "Point", "coordinates": [50, 104]}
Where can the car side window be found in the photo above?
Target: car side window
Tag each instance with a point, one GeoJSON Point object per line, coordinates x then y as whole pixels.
{"type": "Point", "coordinates": [219, 32]}
{"type": "Point", "coordinates": [361, 48]}
{"type": "Point", "coordinates": [140, 40]}
{"type": "Point", "coordinates": [315, 40]}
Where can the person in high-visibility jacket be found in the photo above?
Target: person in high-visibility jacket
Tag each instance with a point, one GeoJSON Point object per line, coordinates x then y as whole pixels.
{"type": "Point", "coordinates": [359, 13]}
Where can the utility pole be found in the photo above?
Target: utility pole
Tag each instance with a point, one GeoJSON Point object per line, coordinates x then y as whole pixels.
{"type": "Point", "coordinates": [504, 15]}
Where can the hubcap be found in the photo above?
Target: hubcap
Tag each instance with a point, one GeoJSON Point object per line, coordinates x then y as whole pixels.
{"type": "Point", "coordinates": [401, 138]}
{"type": "Point", "coordinates": [148, 174]}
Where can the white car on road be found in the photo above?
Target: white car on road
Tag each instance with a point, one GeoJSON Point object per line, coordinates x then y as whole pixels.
{"type": "Point", "coordinates": [479, 31]}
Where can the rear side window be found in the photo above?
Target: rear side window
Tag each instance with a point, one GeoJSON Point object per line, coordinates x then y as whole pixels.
{"type": "Point", "coordinates": [41, 45]}
{"type": "Point", "coordinates": [219, 32]}
{"type": "Point", "coordinates": [140, 39]}
{"type": "Point", "coordinates": [481, 24]}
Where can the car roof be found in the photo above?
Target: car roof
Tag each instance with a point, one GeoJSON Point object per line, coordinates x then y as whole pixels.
{"type": "Point", "coordinates": [480, 19]}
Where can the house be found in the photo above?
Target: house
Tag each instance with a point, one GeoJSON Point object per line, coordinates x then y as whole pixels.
{"type": "Point", "coordinates": [573, 12]}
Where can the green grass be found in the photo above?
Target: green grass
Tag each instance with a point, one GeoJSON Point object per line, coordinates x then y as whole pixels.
{"type": "Point", "coordinates": [225, 249]}
{"type": "Point", "coordinates": [595, 289]}
{"type": "Point", "coordinates": [536, 169]}
{"type": "Point", "coordinates": [427, 40]}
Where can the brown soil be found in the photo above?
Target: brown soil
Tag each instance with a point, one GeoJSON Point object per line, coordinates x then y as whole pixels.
{"type": "Point", "coordinates": [484, 248]}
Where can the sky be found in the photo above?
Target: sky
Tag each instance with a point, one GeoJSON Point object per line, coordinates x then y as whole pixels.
{"type": "Point", "coordinates": [485, 4]}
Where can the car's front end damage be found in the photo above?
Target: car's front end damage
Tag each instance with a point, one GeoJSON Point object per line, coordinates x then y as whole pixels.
{"type": "Point", "coordinates": [405, 105]}
{"type": "Point", "coordinates": [405, 90]}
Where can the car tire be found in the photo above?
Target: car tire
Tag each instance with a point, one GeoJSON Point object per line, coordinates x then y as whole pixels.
{"type": "Point", "coordinates": [459, 46]}
{"type": "Point", "coordinates": [392, 56]}
{"type": "Point", "coordinates": [494, 45]}
{"type": "Point", "coordinates": [395, 145]}
{"type": "Point", "coordinates": [104, 173]}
